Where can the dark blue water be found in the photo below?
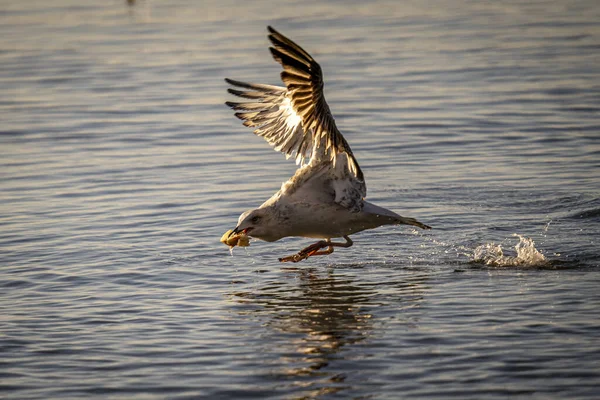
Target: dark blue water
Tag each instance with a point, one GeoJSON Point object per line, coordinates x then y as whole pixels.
{"type": "Point", "coordinates": [120, 168]}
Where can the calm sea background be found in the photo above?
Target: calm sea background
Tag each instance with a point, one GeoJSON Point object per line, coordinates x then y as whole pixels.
{"type": "Point", "coordinates": [120, 168]}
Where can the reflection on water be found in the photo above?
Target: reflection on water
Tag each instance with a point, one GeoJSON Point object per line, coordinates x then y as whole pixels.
{"type": "Point", "coordinates": [315, 318]}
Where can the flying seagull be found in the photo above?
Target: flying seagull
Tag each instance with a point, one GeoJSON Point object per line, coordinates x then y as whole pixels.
{"type": "Point", "coordinates": [325, 198]}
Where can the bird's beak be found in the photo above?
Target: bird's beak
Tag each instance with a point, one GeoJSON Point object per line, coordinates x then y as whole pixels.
{"type": "Point", "coordinates": [235, 231]}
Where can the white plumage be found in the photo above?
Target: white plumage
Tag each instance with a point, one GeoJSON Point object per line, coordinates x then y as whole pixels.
{"type": "Point", "coordinates": [325, 197]}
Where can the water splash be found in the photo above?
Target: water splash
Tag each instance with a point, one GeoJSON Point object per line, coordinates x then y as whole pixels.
{"type": "Point", "coordinates": [527, 255]}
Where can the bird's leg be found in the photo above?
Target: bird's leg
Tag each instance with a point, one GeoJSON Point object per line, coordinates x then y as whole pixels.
{"type": "Point", "coordinates": [306, 252]}
{"type": "Point", "coordinates": [322, 253]}
{"type": "Point", "coordinates": [348, 243]}
{"type": "Point", "coordinates": [313, 250]}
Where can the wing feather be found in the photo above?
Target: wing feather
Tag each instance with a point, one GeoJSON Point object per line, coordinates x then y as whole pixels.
{"type": "Point", "coordinates": [296, 119]}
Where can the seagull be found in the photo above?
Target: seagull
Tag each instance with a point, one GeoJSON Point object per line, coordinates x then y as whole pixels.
{"type": "Point", "coordinates": [325, 198]}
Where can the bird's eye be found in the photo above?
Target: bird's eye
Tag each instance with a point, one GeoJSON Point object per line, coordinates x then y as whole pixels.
{"type": "Point", "coordinates": [255, 219]}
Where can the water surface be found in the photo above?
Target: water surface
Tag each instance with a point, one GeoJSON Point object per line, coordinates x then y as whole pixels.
{"type": "Point", "coordinates": [121, 168]}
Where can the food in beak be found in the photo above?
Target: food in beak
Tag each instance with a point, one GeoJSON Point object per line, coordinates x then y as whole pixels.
{"type": "Point", "coordinates": [235, 239]}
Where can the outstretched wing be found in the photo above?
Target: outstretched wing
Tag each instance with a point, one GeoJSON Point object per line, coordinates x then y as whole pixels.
{"type": "Point", "coordinates": [295, 119]}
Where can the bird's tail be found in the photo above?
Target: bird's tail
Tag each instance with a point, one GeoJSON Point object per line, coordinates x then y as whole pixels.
{"type": "Point", "coordinates": [411, 221]}
{"type": "Point", "coordinates": [391, 217]}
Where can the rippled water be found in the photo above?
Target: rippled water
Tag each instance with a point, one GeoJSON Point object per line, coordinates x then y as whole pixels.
{"type": "Point", "coordinates": [121, 168]}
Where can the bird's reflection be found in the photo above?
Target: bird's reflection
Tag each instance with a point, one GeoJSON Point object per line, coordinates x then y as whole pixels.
{"type": "Point", "coordinates": [315, 321]}
{"type": "Point", "coordinates": [330, 311]}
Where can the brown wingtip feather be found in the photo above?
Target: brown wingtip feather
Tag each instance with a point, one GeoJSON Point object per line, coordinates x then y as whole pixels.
{"type": "Point", "coordinates": [294, 119]}
{"type": "Point", "coordinates": [288, 45]}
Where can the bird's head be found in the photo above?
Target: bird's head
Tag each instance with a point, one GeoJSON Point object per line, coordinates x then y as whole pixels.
{"type": "Point", "coordinates": [259, 223]}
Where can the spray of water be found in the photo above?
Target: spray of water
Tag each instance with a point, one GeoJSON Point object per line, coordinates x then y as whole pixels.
{"type": "Point", "coordinates": [493, 254]}
{"type": "Point", "coordinates": [527, 255]}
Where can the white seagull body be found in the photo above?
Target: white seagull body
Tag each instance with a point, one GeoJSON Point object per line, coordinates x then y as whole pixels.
{"type": "Point", "coordinates": [325, 197]}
